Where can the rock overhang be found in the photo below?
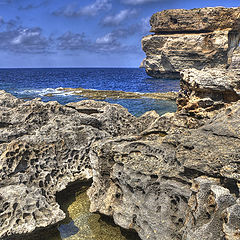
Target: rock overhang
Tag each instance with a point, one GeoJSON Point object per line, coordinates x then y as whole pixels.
{"type": "Point", "coordinates": [205, 20]}
{"type": "Point", "coordinates": [178, 42]}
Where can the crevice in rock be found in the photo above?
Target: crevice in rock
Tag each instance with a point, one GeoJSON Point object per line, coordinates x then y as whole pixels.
{"type": "Point", "coordinates": [191, 173]}
{"type": "Point", "coordinates": [4, 124]}
{"type": "Point", "coordinates": [231, 185]}
{"type": "Point", "coordinates": [129, 234]}
{"type": "Point", "coordinates": [69, 193]}
{"type": "Point", "coordinates": [88, 111]}
{"type": "Point", "coordinates": [182, 31]}
{"type": "Point", "coordinates": [161, 133]}
{"type": "Point", "coordinates": [177, 180]}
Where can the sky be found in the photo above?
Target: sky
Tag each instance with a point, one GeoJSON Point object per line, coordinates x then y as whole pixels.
{"type": "Point", "coordinates": [80, 33]}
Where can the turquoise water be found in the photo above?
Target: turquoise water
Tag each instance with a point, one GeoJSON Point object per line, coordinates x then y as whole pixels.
{"type": "Point", "coordinates": [31, 83]}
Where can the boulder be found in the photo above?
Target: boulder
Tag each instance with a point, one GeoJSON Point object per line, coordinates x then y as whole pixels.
{"type": "Point", "coordinates": [204, 91]}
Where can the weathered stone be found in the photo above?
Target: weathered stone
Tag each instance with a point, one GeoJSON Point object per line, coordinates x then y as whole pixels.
{"type": "Point", "coordinates": [196, 20]}
{"type": "Point", "coordinates": [105, 94]}
{"type": "Point", "coordinates": [231, 225]}
{"type": "Point", "coordinates": [23, 208]}
{"type": "Point", "coordinates": [235, 63]}
{"type": "Point", "coordinates": [167, 55]}
{"type": "Point", "coordinates": [180, 43]}
{"type": "Point", "coordinates": [175, 185]}
{"type": "Point", "coordinates": [43, 148]}
{"type": "Point", "coordinates": [207, 203]}
{"type": "Point", "coordinates": [207, 90]}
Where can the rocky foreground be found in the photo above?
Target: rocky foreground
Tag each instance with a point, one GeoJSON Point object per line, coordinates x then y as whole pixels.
{"type": "Point", "coordinates": [174, 176]}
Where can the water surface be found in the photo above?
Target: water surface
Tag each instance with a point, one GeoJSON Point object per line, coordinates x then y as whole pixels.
{"type": "Point", "coordinates": [31, 83]}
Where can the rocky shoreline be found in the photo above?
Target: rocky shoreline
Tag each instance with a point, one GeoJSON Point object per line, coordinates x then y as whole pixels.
{"type": "Point", "coordinates": [168, 177]}
{"type": "Point", "coordinates": [106, 94]}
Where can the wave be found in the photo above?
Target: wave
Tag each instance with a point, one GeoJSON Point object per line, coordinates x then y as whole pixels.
{"type": "Point", "coordinates": [43, 92]}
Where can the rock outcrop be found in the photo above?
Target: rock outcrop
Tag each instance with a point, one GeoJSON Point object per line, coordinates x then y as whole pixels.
{"type": "Point", "coordinates": [203, 92]}
{"type": "Point", "coordinates": [181, 43]}
{"type": "Point", "coordinates": [44, 147]}
{"type": "Point", "coordinates": [168, 177]}
{"type": "Point", "coordinates": [177, 185]}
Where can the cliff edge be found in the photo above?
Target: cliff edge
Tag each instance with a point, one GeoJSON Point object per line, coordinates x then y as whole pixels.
{"type": "Point", "coordinates": [180, 43]}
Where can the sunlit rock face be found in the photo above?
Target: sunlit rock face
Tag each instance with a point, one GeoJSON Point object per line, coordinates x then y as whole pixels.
{"type": "Point", "coordinates": [198, 38]}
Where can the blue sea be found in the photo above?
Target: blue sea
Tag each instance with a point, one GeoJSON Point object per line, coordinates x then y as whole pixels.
{"type": "Point", "coordinates": [32, 83]}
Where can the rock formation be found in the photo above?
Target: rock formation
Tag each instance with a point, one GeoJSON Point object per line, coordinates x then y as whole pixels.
{"type": "Point", "coordinates": [43, 148]}
{"type": "Point", "coordinates": [114, 94]}
{"type": "Point", "coordinates": [180, 177]}
{"type": "Point", "coordinates": [203, 92]}
{"type": "Point", "coordinates": [180, 43]}
{"type": "Point", "coordinates": [178, 184]}
{"type": "Point", "coordinates": [174, 176]}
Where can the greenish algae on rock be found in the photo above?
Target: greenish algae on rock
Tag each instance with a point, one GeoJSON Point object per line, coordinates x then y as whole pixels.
{"type": "Point", "coordinates": [80, 224]}
{"type": "Point", "coordinates": [103, 94]}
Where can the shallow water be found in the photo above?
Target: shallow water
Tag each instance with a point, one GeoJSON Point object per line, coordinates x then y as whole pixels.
{"type": "Point", "coordinates": [32, 83]}
{"type": "Point", "coordinates": [80, 224]}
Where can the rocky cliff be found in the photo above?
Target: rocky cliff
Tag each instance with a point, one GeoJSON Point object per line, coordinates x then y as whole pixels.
{"type": "Point", "coordinates": [173, 177]}
{"type": "Point", "coordinates": [180, 43]}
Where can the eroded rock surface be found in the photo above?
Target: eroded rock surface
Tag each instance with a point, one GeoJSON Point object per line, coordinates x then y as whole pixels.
{"type": "Point", "coordinates": [181, 186]}
{"type": "Point", "coordinates": [181, 43]}
{"type": "Point", "coordinates": [205, 91]}
{"type": "Point", "coordinates": [43, 148]}
{"type": "Point", "coordinates": [205, 19]}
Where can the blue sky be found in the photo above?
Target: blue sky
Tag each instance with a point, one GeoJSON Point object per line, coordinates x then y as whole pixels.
{"type": "Point", "coordinates": [80, 33]}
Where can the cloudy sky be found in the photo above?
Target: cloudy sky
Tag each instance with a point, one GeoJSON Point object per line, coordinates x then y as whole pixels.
{"type": "Point", "coordinates": [80, 33]}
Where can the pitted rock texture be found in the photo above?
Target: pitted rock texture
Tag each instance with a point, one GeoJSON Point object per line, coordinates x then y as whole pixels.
{"type": "Point", "coordinates": [179, 42]}
{"type": "Point", "coordinates": [196, 20]}
{"type": "Point", "coordinates": [43, 148]}
{"type": "Point", "coordinates": [203, 92]}
{"type": "Point", "coordinates": [181, 185]}
{"type": "Point", "coordinates": [235, 63]}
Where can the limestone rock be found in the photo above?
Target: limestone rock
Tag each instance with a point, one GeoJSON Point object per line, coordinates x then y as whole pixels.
{"type": "Point", "coordinates": [231, 226]}
{"type": "Point", "coordinates": [207, 90]}
{"type": "Point", "coordinates": [235, 63]}
{"type": "Point", "coordinates": [176, 185]}
{"type": "Point", "coordinates": [180, 43]}
{"type": "Point", "coordinates": [23, 208]}
{"type": "Point", "coordinates": [168, 54]}
{"type": "Point", "coordinates": [43, 148]}
{"type": "Point", "coordinates": [196, 20]}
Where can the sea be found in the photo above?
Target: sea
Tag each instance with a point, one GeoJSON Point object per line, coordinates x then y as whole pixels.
{"type": "Point", "coordinates": [29, 83]}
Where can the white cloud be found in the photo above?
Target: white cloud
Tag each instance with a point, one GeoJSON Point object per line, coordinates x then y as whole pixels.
{"type": "Point", "coordinates": [71, 10]}
{"type": "Point", "coordinates": [108, 38]}
{"type": "Point", "coordinates": [24, 40]}
{"type": "Point", "coordinates": [96, 7]}
{"type": "Point", "coordinates": [138, 2]}
{"type": "Point", "coordinates": [114, 20]}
